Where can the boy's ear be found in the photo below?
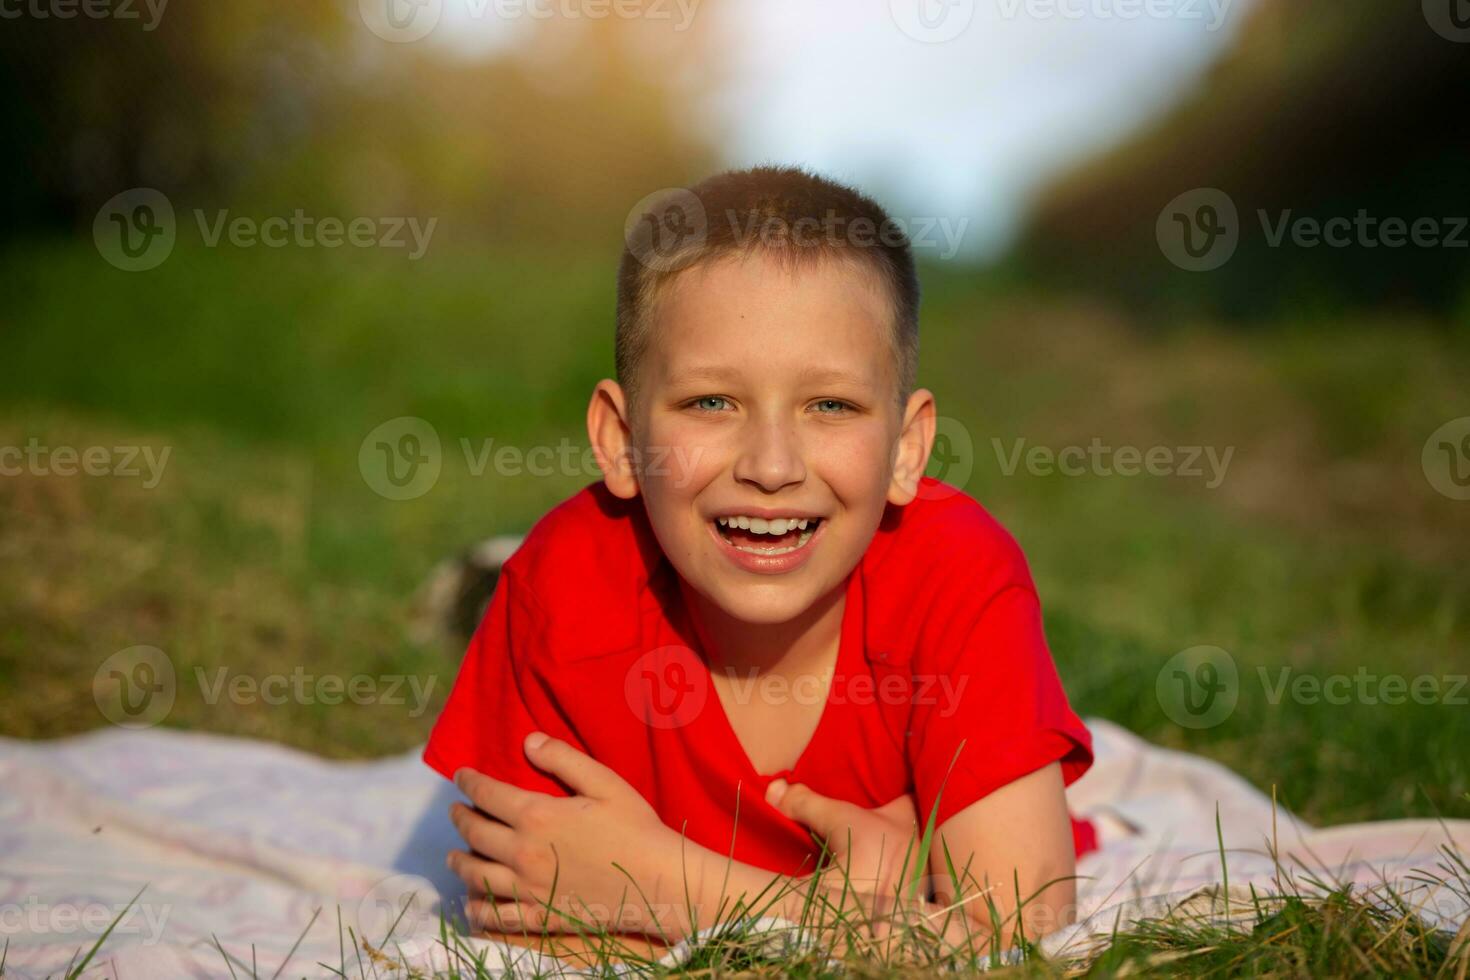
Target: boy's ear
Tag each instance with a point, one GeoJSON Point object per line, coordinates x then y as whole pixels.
{"type": "Point", "coordinates": [611, 438]}
{"type": "Point", "coordinates": [915, 442]}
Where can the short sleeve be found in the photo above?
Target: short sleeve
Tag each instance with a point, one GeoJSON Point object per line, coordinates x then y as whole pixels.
{"type": "Point", "coordinates": [994, 698]}
{"type": "Point", "coordinates": [500, 696]}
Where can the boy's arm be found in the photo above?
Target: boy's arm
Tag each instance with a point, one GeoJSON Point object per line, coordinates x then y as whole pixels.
{"type": "Point", "coordinates": [522, 843]}
{"type": "Point", "coordinates": [1012, 848]}
{"type": "Point", "coordinates": [1017, 840]}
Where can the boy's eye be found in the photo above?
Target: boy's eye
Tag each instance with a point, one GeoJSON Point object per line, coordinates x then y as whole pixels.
{"type": "Point", "coordinates": [831, 406]}
{"type": "Point", "coordinates": [704, 403]}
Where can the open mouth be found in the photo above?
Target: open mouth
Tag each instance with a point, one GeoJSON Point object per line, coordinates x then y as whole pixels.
{"type": "Point", "coordinates": [767, 537]}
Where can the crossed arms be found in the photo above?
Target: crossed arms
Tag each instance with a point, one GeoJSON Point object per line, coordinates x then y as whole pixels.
{"type": "Point", "coordinates": [602, 859]}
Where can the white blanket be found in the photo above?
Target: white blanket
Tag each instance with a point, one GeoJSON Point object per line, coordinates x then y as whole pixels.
{"type": "Point", "coordinates": [241, 842]}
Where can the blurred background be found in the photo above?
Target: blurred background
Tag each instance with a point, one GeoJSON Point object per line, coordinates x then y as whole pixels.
{"type": "Point", "coordinates": [245, 242]}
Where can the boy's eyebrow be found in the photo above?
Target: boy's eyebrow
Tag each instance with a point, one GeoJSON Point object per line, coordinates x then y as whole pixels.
{"type": "Point", "coordinates": [811, 373]}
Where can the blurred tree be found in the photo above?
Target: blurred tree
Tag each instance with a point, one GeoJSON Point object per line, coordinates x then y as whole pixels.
{"type": "Point", "coordinates": [260, 106]}
{"type": "Point", "coordinates": [1325, 108]}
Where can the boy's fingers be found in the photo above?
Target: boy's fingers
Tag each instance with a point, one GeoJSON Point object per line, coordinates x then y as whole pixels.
{"type": "Point", "coordinates": [488, 837]}
{"type": "Point", "coordinates": [828, 817]}
{"type": "Point", "coordinates": [526, 916]}
{"type": "Point", "coordinates": [584, 774]}
{"type": "Point", "coordinates": [501, 800]}
{"type": "Point", "coordinates": [480, 876]}
{"type": "Point", "coordinates": [490, 915]}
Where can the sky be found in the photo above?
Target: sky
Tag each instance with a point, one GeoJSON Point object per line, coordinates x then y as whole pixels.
{"type": "Point", "coordinates": [953, 113]}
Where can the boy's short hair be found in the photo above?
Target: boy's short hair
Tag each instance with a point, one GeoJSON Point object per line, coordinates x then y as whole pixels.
{"type": "Point", "coordinates": [788, 213]}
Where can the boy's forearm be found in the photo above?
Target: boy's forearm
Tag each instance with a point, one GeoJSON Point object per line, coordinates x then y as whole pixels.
{"type": "Point", "coordinates": [716, 884]}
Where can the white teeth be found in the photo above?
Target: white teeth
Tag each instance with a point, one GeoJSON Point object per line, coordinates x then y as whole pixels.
{"type": "Point", "coordinates": [759, 525]}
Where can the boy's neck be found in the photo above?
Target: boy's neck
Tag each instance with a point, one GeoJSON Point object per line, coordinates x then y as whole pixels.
{"type": "Point", "coordinates": [738, 646]}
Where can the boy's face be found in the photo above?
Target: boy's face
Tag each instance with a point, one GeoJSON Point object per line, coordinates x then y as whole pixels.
{"type": "Point", "coordinates": [772, 394]}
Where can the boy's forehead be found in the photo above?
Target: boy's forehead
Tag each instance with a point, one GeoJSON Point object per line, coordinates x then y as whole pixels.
{"type": "Point", "coordinates": [715, 317]}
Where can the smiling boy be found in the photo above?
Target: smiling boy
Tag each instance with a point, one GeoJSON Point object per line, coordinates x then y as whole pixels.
{"type": "Point", "coordinates": [764, 622]}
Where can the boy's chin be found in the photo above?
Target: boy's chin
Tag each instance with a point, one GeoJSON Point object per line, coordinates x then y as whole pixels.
{"type": "Point", "coordinates": [765, 604]}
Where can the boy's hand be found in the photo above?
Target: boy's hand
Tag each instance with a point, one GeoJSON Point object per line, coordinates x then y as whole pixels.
{"type": "Point", "coordinates": [870, 845]}
{"type": "Point", "coordinates": [525, 841]}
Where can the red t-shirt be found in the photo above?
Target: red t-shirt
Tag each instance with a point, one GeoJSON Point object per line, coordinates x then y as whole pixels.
{"type": "Point", "coordinates": [587, 638]}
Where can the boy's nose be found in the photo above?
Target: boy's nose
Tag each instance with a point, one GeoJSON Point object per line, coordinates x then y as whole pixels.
{"type": "Point", "coordinates": [771, 457]}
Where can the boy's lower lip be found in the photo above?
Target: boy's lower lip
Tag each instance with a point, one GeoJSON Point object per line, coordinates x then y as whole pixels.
{"type": "Point", "coordinates": [768, 564]}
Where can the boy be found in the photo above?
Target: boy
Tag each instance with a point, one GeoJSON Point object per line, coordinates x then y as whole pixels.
{"type": "Point", "coordinates": [764, 623]}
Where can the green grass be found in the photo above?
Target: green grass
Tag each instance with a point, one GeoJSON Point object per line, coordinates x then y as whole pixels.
{"type": "Point", "coordinates": [263, 550]}
{"type": "Point", "coordinates": [1307, 927]}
